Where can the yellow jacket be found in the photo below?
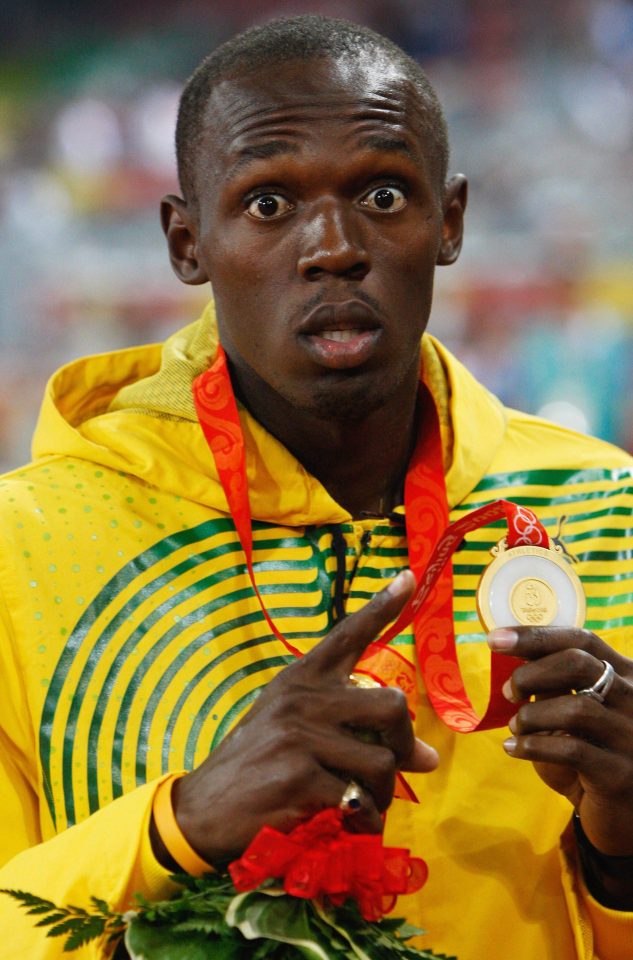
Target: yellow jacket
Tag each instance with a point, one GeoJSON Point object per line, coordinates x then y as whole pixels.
{"type": "Point", "coordinates": [131, 642]}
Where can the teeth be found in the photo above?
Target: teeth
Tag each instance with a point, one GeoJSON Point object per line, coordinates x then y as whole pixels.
{"type": "Point", "coordinates": [340, 336]}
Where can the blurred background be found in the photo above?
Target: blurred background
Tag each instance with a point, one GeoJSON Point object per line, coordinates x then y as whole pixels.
{"type": "Point", "coordinates": [539, 100]}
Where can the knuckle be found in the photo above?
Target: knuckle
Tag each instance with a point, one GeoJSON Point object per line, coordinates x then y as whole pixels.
{"type": "Point", "coordinates": [581, 661]}
{"type": "Point", "coordinates": [300, 701]}
{"type": "Point", "coordinates": [523, 717]}
{"type": "Point", "coordinates": [384, 764]}
{"type": "Point", "coordinates": [575, 710]}
{"type": "Point", "coordinates": [539, 634]}
{"type": "Point", "coordinates": [290, 740]}
{"type": "Point", "coordinates": [285, 704]}
{"type": "Point", "coordinates": [520, 681]}
{"type": "Point", "coordinates": [395, 702]}
{"type": "Point", "coordinates": [296, 791]}
{"type": "Point", "coordinates": [299, 774]}
{"type": "Point", "coordinates": [586, 639]}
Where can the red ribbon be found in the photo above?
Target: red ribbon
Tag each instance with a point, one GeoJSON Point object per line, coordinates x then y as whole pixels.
{"type": "Point", "coordinates": [431, 539]}
{"type": "Point", "coordinates": [320, 858]}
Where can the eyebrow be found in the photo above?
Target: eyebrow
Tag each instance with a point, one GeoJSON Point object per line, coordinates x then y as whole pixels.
{"type": "Point", "coordinates": [262, 151]}
{"type": "Point", "coordinates": [276, 148]}
{"type": "Point", "coordinates": [377, 141]}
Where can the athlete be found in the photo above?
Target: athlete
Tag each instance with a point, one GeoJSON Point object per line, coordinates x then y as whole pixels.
{"type": "Point", "coordinates": [313, 162]}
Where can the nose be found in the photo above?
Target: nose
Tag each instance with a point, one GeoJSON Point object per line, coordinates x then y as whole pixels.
{"type": "Point", "coordinates": [332, 243]}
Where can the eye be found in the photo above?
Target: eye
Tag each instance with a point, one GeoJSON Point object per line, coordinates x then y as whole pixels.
{"type": "Point", "coordinates": [268, 206]}
{"type": "Point", "coordinates": [385, 199]}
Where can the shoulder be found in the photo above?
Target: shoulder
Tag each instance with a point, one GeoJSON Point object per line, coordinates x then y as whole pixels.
{"type": "Point", "coordinates": [560, 474]}
{"type": "Point", "coordinates": [544, 445]}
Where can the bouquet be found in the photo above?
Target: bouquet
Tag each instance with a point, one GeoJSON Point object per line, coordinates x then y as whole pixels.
{"type": "Point", "coordinates": [318, 892]}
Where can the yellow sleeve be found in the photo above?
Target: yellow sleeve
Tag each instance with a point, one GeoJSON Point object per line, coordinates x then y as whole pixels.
{"type": "Point", "coordinates": [612, 929]}
{"type": "Point", "coordinates": [19, 817]}
{"type": "Point", "coordinates": [107, 856]}
{"type": "Point", "coordinates": [19, 821]}
{"type": "Point", "coordinates": [601, 933]}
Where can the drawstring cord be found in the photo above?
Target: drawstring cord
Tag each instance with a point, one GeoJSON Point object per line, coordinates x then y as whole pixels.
{"type": "Point", "coordinates": [340, 552]}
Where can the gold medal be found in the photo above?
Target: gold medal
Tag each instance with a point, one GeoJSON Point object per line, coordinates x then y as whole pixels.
{"type": "Point", "coordinates": [530, 586]}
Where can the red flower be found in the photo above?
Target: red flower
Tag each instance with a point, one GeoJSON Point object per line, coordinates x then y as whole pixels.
{"type": "Point", "coordinates": [319, 858]}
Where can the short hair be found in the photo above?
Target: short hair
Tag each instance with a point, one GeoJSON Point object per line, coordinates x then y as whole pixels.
{"type": "Point", "coordinates": [307, 38]}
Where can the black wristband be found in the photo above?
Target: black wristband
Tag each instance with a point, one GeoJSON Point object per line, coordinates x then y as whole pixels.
{"type": "Point", "coordinates": [598, 867]}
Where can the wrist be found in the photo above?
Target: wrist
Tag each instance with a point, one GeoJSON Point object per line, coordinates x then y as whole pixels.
{"type": "Point", "coordinates": [171, 847]}
{"type": "Point", "coordinates": [609, 878]}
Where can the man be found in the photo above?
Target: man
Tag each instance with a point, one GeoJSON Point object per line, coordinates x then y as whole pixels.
{"type": "Point", "coordinates": [312, 156]}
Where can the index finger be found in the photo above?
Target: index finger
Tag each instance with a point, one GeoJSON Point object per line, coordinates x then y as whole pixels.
{"type": "Point", "coordinates": [340, 650]}
{"type": "Point", "coordinates": [533, 643]}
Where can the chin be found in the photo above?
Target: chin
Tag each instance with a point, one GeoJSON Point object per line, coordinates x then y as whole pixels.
{"type": "Point", "coordinates": [346, 402]}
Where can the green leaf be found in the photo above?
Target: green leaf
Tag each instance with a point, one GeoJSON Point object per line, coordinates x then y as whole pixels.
{"type": "Point", "coordinates": [41, 909]}
{"type": "Point", "coordinates": [81, 936]}
{"type": "Point", "coordinates": [201, 924]}
{"type": "Point", "coordinates": [71, 925]}
{"type": "Point", "coordinates": [405, 930]}
{"type": "Point", "coordinates": [440, 956]}
{"type": "Point", "coordinates": [327, 917]}
{"type": "Point", "coordinates": [270, 950]}
{"type": "Point", "coordinates": [207, 920]}
{"type": "Point", "coordinates": [151, 942]}
{"type": "Point", "coordinates": [281, 918]}
{"type": "Point", "coordinates": [53, 917]}
{"type": "Point", "coordinates": [102, 907]}
{"type": "Point", "coordinates": [35, 904]}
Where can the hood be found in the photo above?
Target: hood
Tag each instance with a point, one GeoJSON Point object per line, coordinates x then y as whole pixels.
{"type": "Point", "coordinates": [132, 411]}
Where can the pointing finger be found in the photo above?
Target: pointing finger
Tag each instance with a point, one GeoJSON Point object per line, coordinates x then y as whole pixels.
{"type": "Point", "coordinates": [340, 650]}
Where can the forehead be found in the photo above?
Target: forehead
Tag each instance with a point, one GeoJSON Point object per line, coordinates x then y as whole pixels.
{"type": "Point", "coordinates": [355, 99]}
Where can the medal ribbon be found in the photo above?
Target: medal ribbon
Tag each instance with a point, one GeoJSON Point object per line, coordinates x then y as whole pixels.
{"type": "Point", "coordinates": [432, 540]}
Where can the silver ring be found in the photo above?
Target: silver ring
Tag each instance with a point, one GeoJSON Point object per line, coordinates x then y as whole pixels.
{"type": "Point", "coordinates": [352, 799]}
{"type": "Point", "coordinates": [601, 687]}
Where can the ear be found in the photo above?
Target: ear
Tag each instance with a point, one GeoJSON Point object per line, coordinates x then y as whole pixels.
{"type": "Point", "coordinates": [180, 228]}
{"type": "Point", "coordinates": [455, 199]}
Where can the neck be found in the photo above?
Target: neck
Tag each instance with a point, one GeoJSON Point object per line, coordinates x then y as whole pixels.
{"type": "Point", "coordinates": [361, 462]}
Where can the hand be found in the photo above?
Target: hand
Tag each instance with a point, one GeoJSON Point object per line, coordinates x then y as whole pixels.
{"type": "Point", "coordinates": [295, 752]}
{"type": "Point", "coordinates": [580, 747]}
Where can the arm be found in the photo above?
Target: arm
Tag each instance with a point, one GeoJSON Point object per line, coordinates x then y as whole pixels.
{"type": "Point", "coordinates": [294, 753]}
{"type": "Point", "coordinates": [296, 750]}
{"type": "Point", "coordinates": [103, 857]}
{"type": "Point", "coordinates": [107, 855]}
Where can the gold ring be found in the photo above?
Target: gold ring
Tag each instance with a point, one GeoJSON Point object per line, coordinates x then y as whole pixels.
{"type": "Point", "coordinates": [352, 799]}
{"type": "Point", "coordinates": [363, 682]}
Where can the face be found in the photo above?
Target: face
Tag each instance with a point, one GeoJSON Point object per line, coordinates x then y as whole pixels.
{"type": "Point", "coordinates": [319, 221]}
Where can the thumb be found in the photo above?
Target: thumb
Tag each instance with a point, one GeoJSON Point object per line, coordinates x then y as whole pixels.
{"type": "Point", "coordinates": [423, 759]}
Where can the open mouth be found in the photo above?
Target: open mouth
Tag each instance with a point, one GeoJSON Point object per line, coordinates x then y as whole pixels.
{"type": "Point", "coordinates": [341, 335]}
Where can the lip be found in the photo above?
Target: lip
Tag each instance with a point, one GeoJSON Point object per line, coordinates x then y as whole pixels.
{"type": "Point", "coordinates": [352, 315]}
